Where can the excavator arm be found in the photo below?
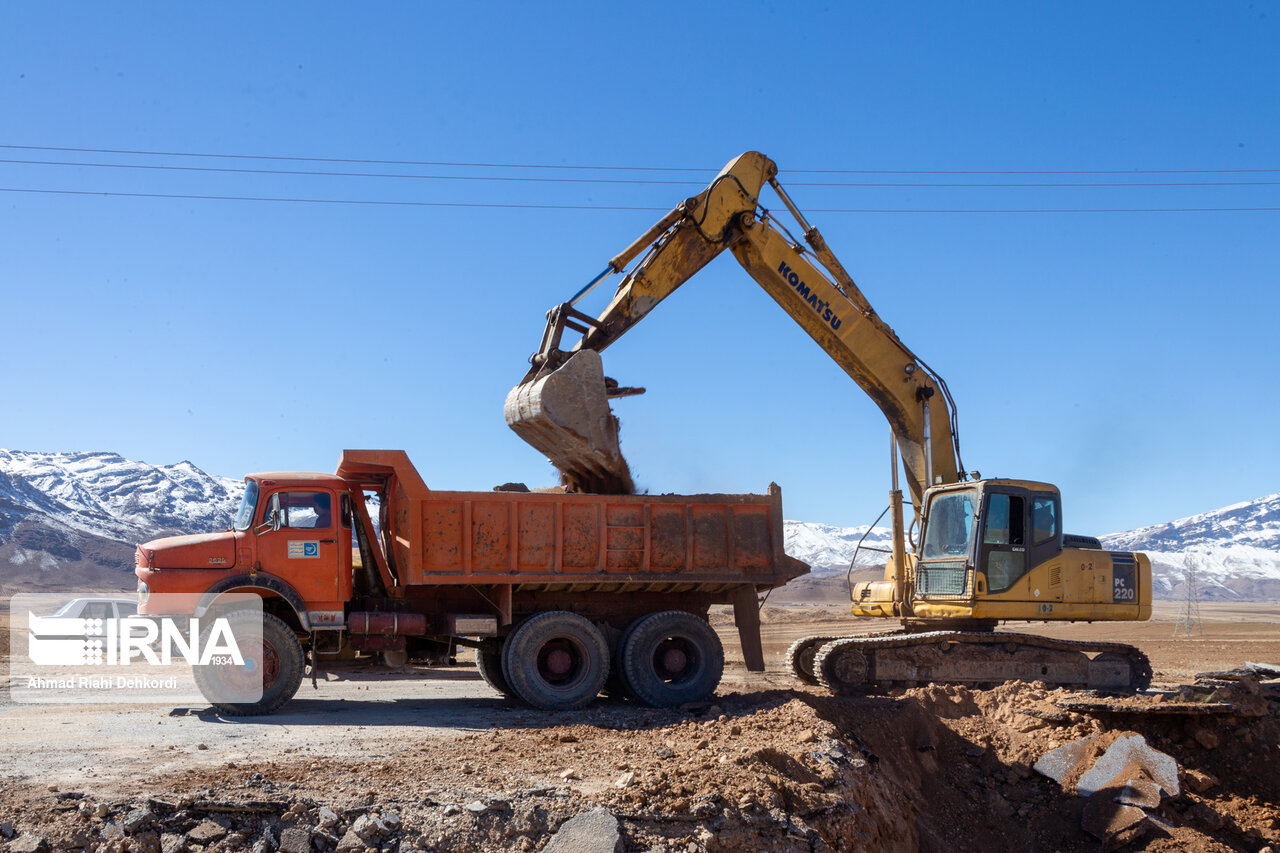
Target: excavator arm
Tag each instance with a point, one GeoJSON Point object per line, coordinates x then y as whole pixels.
{"type": "Point", "coordinates": [561, 406]}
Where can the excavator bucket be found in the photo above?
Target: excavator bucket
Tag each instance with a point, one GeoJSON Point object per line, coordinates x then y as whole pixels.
{"type": "Point", "coordinates": [565, 414]}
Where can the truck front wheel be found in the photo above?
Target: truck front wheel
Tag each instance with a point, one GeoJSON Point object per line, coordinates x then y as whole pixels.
{"type": "Point", "coordinates": [556, 661]}
{"type": "Point", "coordinates": [275, 661]}
{"type": "Point", "coordinates": [671, 657]}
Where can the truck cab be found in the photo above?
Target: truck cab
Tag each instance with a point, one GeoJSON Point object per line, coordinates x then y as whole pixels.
{"type": "Point", "coordinates": [293, 527]}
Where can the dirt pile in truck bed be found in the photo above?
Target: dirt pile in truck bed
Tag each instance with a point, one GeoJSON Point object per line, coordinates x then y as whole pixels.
{"type": "Point", "coordinates": [927, 769]}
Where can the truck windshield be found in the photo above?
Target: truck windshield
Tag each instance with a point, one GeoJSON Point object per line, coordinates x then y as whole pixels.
{"type": "Point", "coordinates": [244, 516]}
{"type": "Point", "coordinates": [949, 527]}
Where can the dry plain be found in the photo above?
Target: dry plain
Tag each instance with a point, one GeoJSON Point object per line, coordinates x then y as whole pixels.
{"type": "Point", "coordinates": [767, 765]}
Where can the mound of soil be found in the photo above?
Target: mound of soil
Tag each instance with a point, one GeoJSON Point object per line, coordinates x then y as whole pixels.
{"type": "Point", "coordinates": [932, 769]}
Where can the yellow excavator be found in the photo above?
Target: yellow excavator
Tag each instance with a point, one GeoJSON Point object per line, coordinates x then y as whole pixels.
{"type": "Point", "coordinates": [978, 552]}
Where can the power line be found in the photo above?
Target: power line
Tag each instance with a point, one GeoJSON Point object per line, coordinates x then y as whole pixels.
{"type": "Point", "coordinates": [351, 174]}
{"type": "Point", "coordinates": [638, 168]}
{"type": "Point", "coordinates": [527, 179]}
{"type": "Point", "coordinates": [330, 200]}
{"type": "Point", "coordinates": [351, 160]}
{"type": "Point", "coordinates": [624, 207]}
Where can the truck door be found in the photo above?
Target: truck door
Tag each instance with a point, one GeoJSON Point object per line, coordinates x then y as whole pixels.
{"type": "Point", "coordinates": [304, 551]}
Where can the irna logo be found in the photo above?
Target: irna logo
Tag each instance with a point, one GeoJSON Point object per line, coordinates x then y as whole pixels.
{"type": "Point", "coordinates": [56, 641]}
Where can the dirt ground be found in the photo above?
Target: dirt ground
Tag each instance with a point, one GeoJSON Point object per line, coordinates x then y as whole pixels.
{"type": "Point", "coordinates": [434, 760]}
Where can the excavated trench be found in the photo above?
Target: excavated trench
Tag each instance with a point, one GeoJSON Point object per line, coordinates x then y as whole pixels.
{"type": "Point", "coordinates": [933, 769]}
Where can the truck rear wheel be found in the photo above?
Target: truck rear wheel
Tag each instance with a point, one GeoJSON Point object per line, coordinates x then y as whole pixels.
{"type": "Point", "coordinates": [556, 661]}
{"type": "Point", "coordinates": [671, 657]}
{"type": "Point", "coordinates": [489, 665]}
{"type": "Point", "coordinates": [276, 662]}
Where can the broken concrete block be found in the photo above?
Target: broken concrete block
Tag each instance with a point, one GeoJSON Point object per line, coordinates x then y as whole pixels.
{"type": "Point", "coordinates": [171, 843]}
{"type": "Point", "coordinates": [350, 843]}
{"type": "Point", "coordinates": [295, 839]}
{"type": "Point", "coordinates": [1266, 670]}
{"type": "Point", "coordinates": [206, 832]}
{"type": "Point", "coordinates": [1108, 820]}
{"type": "Point", "coordinates": [137, 820]}
{"type": "Point", "coordinates": [1058, 764]}
{"type": "Point", "coordinates": [28, 843]}
{"type": "Point", "coordinates": [369, 828]}
{"type": "Point", "coordinates": [1128, 757]}
{"type": "Point", "coordinates": [595, 831]}
{"type": "Point", "coordinates": [1141, 793]}
{"type": "Point", "coordinates": [1121, 759]}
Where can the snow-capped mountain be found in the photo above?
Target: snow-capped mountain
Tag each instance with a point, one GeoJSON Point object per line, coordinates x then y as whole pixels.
{"type": "Point", "coordinates": [829, 549]}
{"type": "Point", "coordinates": [73, 518]}
{"type": "Point", "coordinates": [1236, 550]}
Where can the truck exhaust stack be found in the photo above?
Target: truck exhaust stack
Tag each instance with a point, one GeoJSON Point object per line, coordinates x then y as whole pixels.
{"type": "Point", "coordinates": [565, 415]}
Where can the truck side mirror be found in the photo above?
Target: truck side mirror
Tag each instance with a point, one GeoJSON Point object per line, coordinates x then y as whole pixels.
{"type": "Point", "coordinates": [274, 522]}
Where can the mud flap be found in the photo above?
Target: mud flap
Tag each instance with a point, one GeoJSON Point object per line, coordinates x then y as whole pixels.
{"type": "Point", "coordinates": [746, 615]}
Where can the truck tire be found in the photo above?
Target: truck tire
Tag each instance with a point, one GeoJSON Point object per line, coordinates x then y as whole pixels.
{"type": "Point", "coordinates": [277, 661]}
{"type": "Point", "coordinates": [556, 661]}
{"type": "Point", "coordinates": [489, 665]}
{"type": "Point", "coordinates": [671, 657]}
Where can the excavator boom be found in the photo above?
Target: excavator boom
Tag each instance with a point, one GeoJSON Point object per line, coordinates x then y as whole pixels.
{"type": "Point", "coordinates": [561, 406]}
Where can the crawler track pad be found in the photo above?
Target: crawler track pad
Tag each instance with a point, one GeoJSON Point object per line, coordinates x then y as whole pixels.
{"type": "Point", "coordinates": [565, 414]}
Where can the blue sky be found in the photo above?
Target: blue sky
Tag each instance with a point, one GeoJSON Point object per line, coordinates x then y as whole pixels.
{"type": "Point", "coordinates": [1126, 357]}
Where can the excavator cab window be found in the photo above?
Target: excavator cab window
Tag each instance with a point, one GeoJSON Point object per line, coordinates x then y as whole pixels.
{"type": "Point", "coordinates": [1004, 541]}
{"type": "Point", "coordinates": [949, 527]}
{"type": "Point", "coordinates": [1044, 519]}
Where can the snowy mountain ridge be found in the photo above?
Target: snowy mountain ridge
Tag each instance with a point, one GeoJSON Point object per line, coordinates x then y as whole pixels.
{"type": "Point", "coordinates": [1235, 549]}
{"type": "Point", "coordinates": [75, 517]}
{"type": "Point", "coordinates": [72, 519]}
{"type": "Point", "coordinates": [104, 494]}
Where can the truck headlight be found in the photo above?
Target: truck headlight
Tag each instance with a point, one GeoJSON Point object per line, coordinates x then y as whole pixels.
{"type": "Point", "coordinates": [144, 592]}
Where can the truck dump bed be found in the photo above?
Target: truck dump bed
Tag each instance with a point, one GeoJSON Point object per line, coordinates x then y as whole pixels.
{"type": "Point", "coordinates": [586, 541]}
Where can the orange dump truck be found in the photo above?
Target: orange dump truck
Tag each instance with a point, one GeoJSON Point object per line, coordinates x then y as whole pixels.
{"type": "Point", "coordinates": [561, 595]}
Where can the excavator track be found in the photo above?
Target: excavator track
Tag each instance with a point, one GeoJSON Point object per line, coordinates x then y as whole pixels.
{"type": "Point", "coordinates": [860, 664]}
{"type": "Point", "coordinates": [801, 654]}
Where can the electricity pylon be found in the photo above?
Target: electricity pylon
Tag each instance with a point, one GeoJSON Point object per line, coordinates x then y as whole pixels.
{"type": "Point", "coordinates": [1189, 616]}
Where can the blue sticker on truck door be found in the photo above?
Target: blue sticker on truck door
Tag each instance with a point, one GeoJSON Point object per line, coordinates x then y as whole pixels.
{"type": "Point", "coordinates": [1124, 570]}
{"type": "Point", "coordinates": [304, 549]}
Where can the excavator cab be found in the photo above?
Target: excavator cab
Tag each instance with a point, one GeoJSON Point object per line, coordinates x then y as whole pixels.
{"type": "Point", "coordinates": [982, 537]}
{"type": "Point", "coordinates": [994, 550]}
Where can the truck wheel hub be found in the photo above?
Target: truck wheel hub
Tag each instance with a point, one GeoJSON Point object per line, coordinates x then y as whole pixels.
{"type": "Point", "coordinates": [559, 662]}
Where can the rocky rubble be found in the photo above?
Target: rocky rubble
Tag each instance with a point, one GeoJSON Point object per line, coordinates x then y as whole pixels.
{"type": "Point", "coordinates": [935, 769]}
